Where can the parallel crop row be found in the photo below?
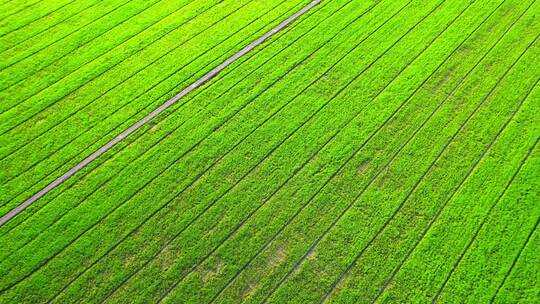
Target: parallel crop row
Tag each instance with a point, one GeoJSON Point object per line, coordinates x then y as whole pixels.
{"type": "Point", "coordinates": [328, 49]}
{"type": "Point", "coordinates": [241, 72]}
{"type": "Point", "coordinates": [375, 151]}
{"type": "Point", "coordinates": [20, 13]}
{"type": "Point", "coordinates": [96, 111]}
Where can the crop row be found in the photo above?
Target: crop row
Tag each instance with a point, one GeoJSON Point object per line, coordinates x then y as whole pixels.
{"type": "Point", "coordinates": [297, 236]}
{"type": "Point", "coordinates": [77, 127]}
{"type": "Point", "coordinates": [338, 163]}
{"type": "Point", "coordinates": [102, 80]}
{"type": "Point", "coordinates": [521, 277]}
{"type": "Point", "coordinates": [242, 72]}
{"type": "Point", "coordinates": [212, 268]}
{"type": "Point", "coordinates": [400, 237]}
{"type": "Point", "coordinates": [14, 19]}
{"type": "Point", "coordinates": [99, 41]}
{"type": "Point", "coordinates": [267, 178]}
{"type": "Point", "coordinates": [329, 48]}
{"type": "Point", "coordinates": [403, 48]}
{"type": "Point", "coordinates": [14, 7]}
{"type": "Point", "coordinates": [40, 50]}
{"type": "Point", "coordinates": [459, 221]}
{"type": "Point", "coordinates": [501, 237]}
{"type": "Point", "coordinates": [165, 133]}
{"type": "Point", "coordinates": [44, 24]}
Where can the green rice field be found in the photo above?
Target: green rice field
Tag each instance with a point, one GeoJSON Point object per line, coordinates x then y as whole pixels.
{"type": "Point", "coordinates": [366, 151]}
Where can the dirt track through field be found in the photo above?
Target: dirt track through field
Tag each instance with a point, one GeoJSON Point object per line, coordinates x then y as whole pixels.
{"type": "Point", "coordinates": [213, 73]}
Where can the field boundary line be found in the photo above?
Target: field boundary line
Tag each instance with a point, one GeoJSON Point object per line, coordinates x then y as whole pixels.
{"type": "Point", "coordinates": [394, 214]}
{"type": "Point", "coordinates": [313, 155]}
{"type": "Point", "coordinates": [460, 185]}
{"type": "Point", "coordinates": [42, 30]}
{"type": "Point", "coordinates": [318, 191]}
{"type": "Point", "coordinates": [514, 262]}
{"type": "Point", "coordinates": [208, 76]}
{"type": "Point", "coordinates": [341, 276]}
{"type": "Point", "coordinates": [327, 182]}
{"type": "Point", "coordinates": [495, 204]}
{"type": "Point", "coordinates": [167, 114]}
{"type": "Point", "coordinates": [165, 136]}
{"type": "Point", "coordinates": [132, 99]}
{"type": "Point", "coordinates": [48, 45]}
{"type": "Point", "coordinates": [387, 283]}
{"type": "Point", "coordinates": [36, 19]}
{"type": "Point", "coordinates": [191, 183]}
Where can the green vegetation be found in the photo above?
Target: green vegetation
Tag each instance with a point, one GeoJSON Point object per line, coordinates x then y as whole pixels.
{"type": "Point", "coordinates": [54, 137]}
{"type": "Point", "coordinates": [373, 151]}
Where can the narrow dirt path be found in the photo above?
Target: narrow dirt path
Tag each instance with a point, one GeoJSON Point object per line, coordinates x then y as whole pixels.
{"type": "Point", "coordinates": [199, 82]}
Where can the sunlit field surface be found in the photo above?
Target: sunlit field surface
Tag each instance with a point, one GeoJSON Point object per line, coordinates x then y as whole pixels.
{"type": "Point", "coordinates": [372, 151]}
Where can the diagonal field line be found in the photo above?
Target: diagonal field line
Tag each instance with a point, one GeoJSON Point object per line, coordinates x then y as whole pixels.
{"type": "Point", "coordinates": [72, 241]}
{"type": "Point", "coordinates": [228, 153]}
{"type": "Point", "coordinates": [138, 158]}
{"type": "Point", "coordinates": [342, 275]}
{"type": "Point", "coordinates": [296, 171]}
{"type": "Point", "coordinates": [233, 278]}
{"type": "Point", "coordinates": [8, 65]}
{"type": "Point", "coordinates": [514, 262]}
{"type": "Point", "coordinates": [312, 247]}
{"type": "Point", "coordinates": [388, 281]}
{"type": "Point", "coordinates": [50, 103]}
{"type": "Point", "coordinates": [131, 100]}
{"type": "Point", "coordinates": [386, 223]}
{"type": "Point", "coordinates": [496, 203]}
{"type": "Point", "coordinates": [38, 18]}
{"type": "Point", "coordinates": [297, 264]}
{"type": "Point", "coordinates": [456, 191]}
{"type": "Point", "coordinates": [165, 115]}
{"type": "Point", "coordinates": [48, 27]}
{"type": "Point", "coordinates": [331, 178]}
{"type": "Point", "coordinates": [304, 123]}
{"type": "Point", "coordinates": [118, 125]}
{"type": "Point", "coordinates": [213, 73]}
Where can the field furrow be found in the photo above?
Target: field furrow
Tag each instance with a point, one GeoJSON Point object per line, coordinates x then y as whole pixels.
{"type": "Point", "coordinates": [70, 129]}
{"type": "Point", "coordinates": [252, 151]}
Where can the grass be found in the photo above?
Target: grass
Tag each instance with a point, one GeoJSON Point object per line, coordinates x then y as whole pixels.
{"type": "Point", "coordinates": [85, 109]}
{"type": "Point", "coordinates": [373, 151]}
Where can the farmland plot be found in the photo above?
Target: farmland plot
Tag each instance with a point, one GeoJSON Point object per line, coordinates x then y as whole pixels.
{"type": "Point", "coordinates": [371, 151]}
